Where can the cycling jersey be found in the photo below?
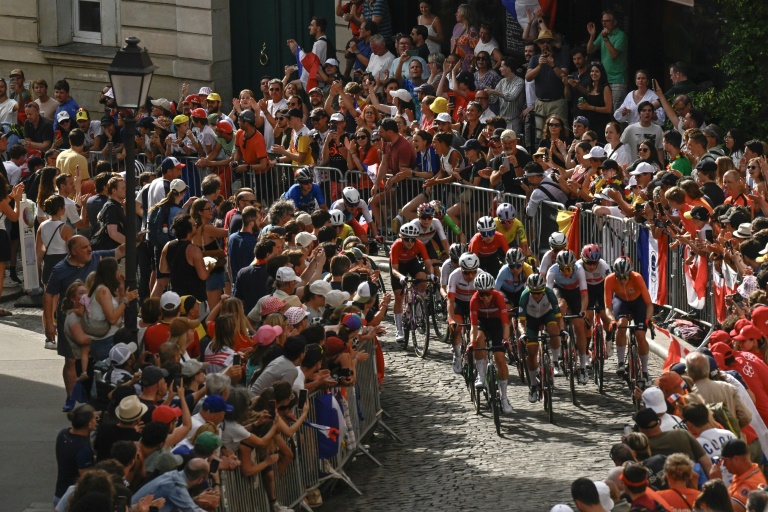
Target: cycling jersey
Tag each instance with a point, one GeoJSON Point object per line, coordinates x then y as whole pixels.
{"type": "Point", "coordinates": [399, 255]}
{"type": "Point", "coordinates": [547, 261]}
{"type": "Point", "coordinates": [507, 282]}
{"type": "Point", "coordinates": [426, 234]}
{"type": "Point", "coordinates": [346, 231]}
{"type": "Point", "coordinates": [353, 212]}
{"type": "Point", "coordinates": [497, 308]}
{"type": "Point", "coordinates": [445, 271]}
{"type": "Point", "coordinates": [577, 280]}
{"type": "Point", "coordinates": [530, 308]}
{"type": "Point", "coordinates": [308, 203]}
{"type": "Point", "coordinates": [459, 288]}
{"type": "Point", "coordinates": [633, 289]}
{"type": "Point", "coordinates": [485, 249]}
{"type": "Point", "coordinates": [598, 275]}
{"type": "Point", "coordinates": [515, 234]}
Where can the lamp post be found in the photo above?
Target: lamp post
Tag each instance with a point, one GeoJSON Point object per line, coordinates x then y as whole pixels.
{"type": "Point", "coordinates": [130, 74]}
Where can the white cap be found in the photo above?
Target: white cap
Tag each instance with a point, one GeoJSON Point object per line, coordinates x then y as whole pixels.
{"type": "Point", "coordinates": [162, 103]}
{"type": "Point", "coordinates": [295, 315]}
{"type": "Point", "coordinates": [178, 185]}
{"type": "Point", "coordinates": [110, 93]}
{"type": "Point", "coordinates": [320, 287]}
{"type": "Point", "coordinates": [170, 300]}
{"type": "Point", "coordinates": [363, 293]}
{"type": "Point", "coordinates": [121, 352]}
{"type": "Point", "coordinates": [62, 116]}
{"type": "Point", "coordinates": [304, 218]}
{"type": "Point", "coordinates": [603, 196]}
{"type": "Point", "coordinates": [332, 62]}
{"type": "Point", "coordinates": [402, 94]}
{"type": "Point", "coordinates": [561, 508]}
{"type": "Point", "coordinates": [305, 239]}
{"type": "Point", "coordinates": [605, 496]}
{"type": "Point", "coordinates": [205, 90]}
{"type": "Point", "coordinates": [444, 118]}
{"type": "Point", "coordinates": [336, 298]}
{"type": "Point", "coordinates": [284, 275]}
{"type": "Point", "coordinates": [338, 117]}
{"type": "Point", "coordinates": [643, 168]}
{"type": "Point", "coordinates": [632, 183]}
{"type": "Point", "coordinates": [653, 397]}
{"type": "Point", "coordinates": [596, 152]}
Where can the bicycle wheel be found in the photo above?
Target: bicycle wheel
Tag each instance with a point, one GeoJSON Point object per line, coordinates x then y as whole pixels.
{"type": "Point", "coordinates": [598, 338]}
{"type": "Point", "coordinates": [420, 324]}
{"type": "Point", "coordinates": [467, 365]}
{"type": "Point", "coordinates": [477, 394]}
{"type": "Point", "coordinates": [546, 384]}
{"type": "Point", "coordinates": [569, 366]}
{"type": "Point", "coordinates": [494, 395]}
{"type": "Point", "coordinates": [634, 372]}
{"type": "Point", "coordinates": [407, 324]}
{"type": "Point", "coordinates": [439, 314]}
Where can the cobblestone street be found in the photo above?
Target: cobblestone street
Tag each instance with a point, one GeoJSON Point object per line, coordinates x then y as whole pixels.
{"type": "Point", "coordinates": [452, 459]}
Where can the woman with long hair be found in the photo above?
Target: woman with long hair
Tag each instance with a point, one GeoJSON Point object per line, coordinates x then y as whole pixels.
{"type": "Point", "coordinates": [184, 261]}
{"type": "Point", "coordinates": [52, 237]}
{"type": "Point", "coordinates": [627, 112]}
{"type": "Point", "coordinates": [221, 350]}
{"type": "Point", "coordinates": [724, 164]}
{"type": "Point", "coordinates": [370, 118]}
{"type": "Point", "coordinates": [470, 126]}
{"type": "Point", "coordinates": [434, 27]}
{"type": "Point", "coordinates": [615, 149]}
{"type": "Point", "coordinates": [107, 303]}
{"type": "Point", "coordinates": [360, 155]}
{"type": "Point", "coordinates": [207, 237]}
{"type": "Point", "coordinates": [734, 143]}
{"type": "Point", "coordinates": [485, 76]}
{"type": "Point", "coordinates": [234, 307]}
{"type": "Point", "coordinates": [74, 334]}
{"type": "Point", "coordinates": [402, 102]}
{"type": "Point", "coordinates": [555, 139]}
{"type": "Point", "coordinates": [46, 189]}
{"type": "Point", "coordinates": [244, 101]}
{"type": "Point", "coordinates": [596, 105]}
{"type": "Point", "coordinates": [182, 332]}
{"type": "Point", "coordinates": [714, 497]}
{"type": "Point", "coordinates": [465, 35]}
{"type": "Point", "coordinates": [646, 152]}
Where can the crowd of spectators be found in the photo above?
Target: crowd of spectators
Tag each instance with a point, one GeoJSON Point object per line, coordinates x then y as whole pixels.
{"type": "Point", "coordinates": [250, 293]}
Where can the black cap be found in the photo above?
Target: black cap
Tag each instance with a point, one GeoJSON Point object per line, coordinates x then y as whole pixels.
{"type": "Point", "coordinates": [426, 89]}
{"type": "Point", "coordinates": [697, 213]}
{"type": "Point", "coordinates": [610, 164]}
{"type": "Point", "coordinates": [295, 112]}
{"type": "Point", "coordinates": [107, 120]}
{"type": "Point", "coordinates": [708, 166]}
{"type": "Point", "coordinates": [735, 216]}
{"type": "Point", "coordinates": [145, 122]}
{"type": "Point", "coordinates": [472, 144]}
{"type": "Point", "coordinates": [248, 116]}
{"type": "Point", "coordinates": [669, 178]}
{"type": "Point", "coordinates": [734, 447]}
{"type": "Point", "coordinates": [646, 418]}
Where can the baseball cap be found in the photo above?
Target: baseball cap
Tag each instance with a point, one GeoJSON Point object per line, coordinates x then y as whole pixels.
{"type": "Point", "coordinates": [167, 461]}
{"type": "Point", "coordinates": [561, 507]}
{"type": "Point", "coordinates": [443, 117]}
{"type": "Point", "coordinates": [642, 168]}
{"type": "Point", "coordinates": [199, 113]}
{"type": "Point", "coordinates": [610, 164]}
{"type": "Point", "coordinates": [169, 163]}
{"type": "Point", "coordinates": [121, 352]}
{"type": "Point", "coordinates": [82, 114]}
{"type": "Point", "coordinates": [669, 382]}
{"type": "Point", "coordinates": [187, 303]}
{"type": "Point", "coordinates": [178, 185]}
{"type": "Point", "coordinates": [605, 496]}
{"type": "Point", "coordinates": [267, 334]}
{"type": "Point", "coordinates": [224, 126]}
{"type": "Point", "coordinates": [646, 418]}
{"type": "Point", "coordinates": [62, 116]}
{"type": "Point", "coordinates": [305, 219]}
{"type": "Point", "coordinates": [733, 448]}
{"type": "Point", "coordinates": [724, 337]}
{"type": "Point", "coordinates": [151, 375]}
{"type": "Point", "coordinates": [180, 119]}
{"type": "Point", "coordinates": [165, 413]}
{"type": "Point", "coordinates": [582, 120]}
{"type": "Point", "coordinates": [425, 89]}
{"type": "Point", "coordinates": [335, 345]}
{"type": "Point", "coordinates": [320, 287]}
{"type": "Point", "coordinates": [295, 315]}
{"type": "Point", "coordinates": [315, 90]}
{"type": "Point", "coordinates": [192, 98]}
{"type": "Point", "coordinates": [305, 239]}
{"type": "Point", "coordinates": [192, 367]}
{"type": "Point", "coordinates": [653, 398]}
{"type": "Point", "coordinates": [698, 213]}
{"type": "Point", "coordinates": [336, 117]}
{"type": "Point", "coordinates": [336, 298]}
{"type": "Point", "coordinates": [439, 106]}
{"type": "Point", "coordinates": [735, 216]}
{"type": "Point", "coordinates": [472, 144]}
{"type": "Point", "coordinates": [747, 332]}
{"type": "Point", "coordinates": [721, 349]}
{"type": "Point", "coordinates": [365, 291]}
{"type": "Point", "coordinates": [286, 275]}
{"type": "Point", "coordinates": [352, 321]}
{"type": "Point", "coordinates": [271, 305]}
{"type": "Point", "coordinates": [760, 319]}
{"type": "Point", "coordinates": [170, 301]}
{"type": "Point", "coordinates": [215, 403]}
{"type": "Point", "coordinates": [332, 62]}
{"type": "Point", "coordinates": [162, 103]}
{"type": "Point", "coordinates": [402, 94]}
{"type": "Point", "coordinates": [17, 72]}
{"type": "Point", "coordinates": [204, 91]}
{"type": "Point", "coordinates": [596, 152]}
{"type": "Point", "coordinates": [130, 409]}
{"type": "Point", "coordinates": [707, 166]}
{"type": "Point", "coordinates": [207, 442]}
{"type": "Point", "coordinates": [603, 196]}
{"type": "Point", "coordinates": [668, 178]}
{"type": "Point", "coordinates": [632, 183]}
{"type": "Point", "coordinates": [214, 96]}
{"type": "Point", "coordinates": [246, 115]}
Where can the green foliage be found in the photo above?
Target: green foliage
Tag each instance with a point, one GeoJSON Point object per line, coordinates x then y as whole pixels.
{"type": "Point", "coordinates": [742, 98]}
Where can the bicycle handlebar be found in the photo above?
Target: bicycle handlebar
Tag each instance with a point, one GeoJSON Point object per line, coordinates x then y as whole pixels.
{"type": "Point", "coordinates": [573, 317]}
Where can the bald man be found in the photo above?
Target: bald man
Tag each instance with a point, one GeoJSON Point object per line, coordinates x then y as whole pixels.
{"type": "Point", "coordinates": [735, 189]}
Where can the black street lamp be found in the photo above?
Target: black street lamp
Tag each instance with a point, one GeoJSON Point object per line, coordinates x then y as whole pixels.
{"type": "Point", "coordinates": [130, 74]}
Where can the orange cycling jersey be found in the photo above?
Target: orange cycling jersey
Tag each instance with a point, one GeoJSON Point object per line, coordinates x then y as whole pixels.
{"type": "Point", "coordinates": [484, 250]}
{"type": "Point", "coordinates": [399, 255]}
{"type": "Point", "coordinates": [628, 292]}
{"type": "Point", "coordinates": [496, 309]}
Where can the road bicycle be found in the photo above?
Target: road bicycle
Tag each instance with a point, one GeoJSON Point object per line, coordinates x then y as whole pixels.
{"type": "Point", "coordinates": [633, 366]}
{"type": "Point", "coordinates": [492, 390]}
{"type": "Point", "coordinates": [516, 351]}
{"type": "Point", "coordinates": [546, 386]}
{"type": "Point", "coordinates": [437, 308]}
{"type": "Point", "coordinates": [415, 319]}
{"type": "Point", "coordinates": [570, 354]}
{"type": "Point", "coordinates": [599, 348]}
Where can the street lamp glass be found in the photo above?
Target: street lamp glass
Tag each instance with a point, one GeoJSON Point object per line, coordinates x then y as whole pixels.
{"type": "Point", "coordinates": [131, 74]}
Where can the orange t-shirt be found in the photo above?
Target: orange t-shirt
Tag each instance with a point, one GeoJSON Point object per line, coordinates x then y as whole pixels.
{"type": "Point", "coordinates": [242, 341]}
{"type": "Point", "coordinates": [634, 288]}
{"type": "Point", "coordinates": [253, 149]}
{"type": "Point", "coordinates": [742, 484]}
{"type": "Point", "coordinates": [679, 499]}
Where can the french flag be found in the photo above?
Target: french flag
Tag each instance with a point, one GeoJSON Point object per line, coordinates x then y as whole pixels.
{"type": "Point", "coordinates": [652, 260]}
{"type": "Point", "coordinates": [696, 276]}
{"type": "Point", "coordinates": [308, 64]}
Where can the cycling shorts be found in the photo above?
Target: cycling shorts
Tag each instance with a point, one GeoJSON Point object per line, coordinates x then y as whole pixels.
{"type": "Point", "coordinates": [596, 296]}
{"type": "Point", "coordinates": [634, 309]}
{"type": "Point", "coordinates": [493, 330]}
{"type": "Point", "coordinates": [533, 325]}
{"type": "Point", "coordinates": [433, 248]}
{"type": "Point", "coordinates": [490, 264]}
{"type": "Point", "coordinates": [460, 311]}
{"type": "Point", "coordinates": [411, 268]}
{"type": "Point", "coordinates": [512, 297]}
{"type": "Point", "coordinates": [571, 297]}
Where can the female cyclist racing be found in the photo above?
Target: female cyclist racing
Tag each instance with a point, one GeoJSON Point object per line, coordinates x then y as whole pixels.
{"type": "Point", "coordinates": [557, 242]}
{"type": "Point", "coordinates": [489, 245]}
{"type": "Point", "coordinates": [511, 278]}
{"type": "Point", "coordinates": [431, 232]}
{"type": "Point", "coordinates": [596, 269]}
{"type": "Point", "coordinates": [461, 288]}
{"type": "Point", "coordinates": [305, 194]}
{"type": "Point", "coordinates": [352, 207]}
{"type": "Point", "coordinates": [510, 226]}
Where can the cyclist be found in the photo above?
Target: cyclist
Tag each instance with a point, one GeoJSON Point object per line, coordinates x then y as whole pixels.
{"type": "Point", "coordinates": [352, 207]}
{"type": "Point", "coordinates": [343, 230]}
{"type": "Point", "coordinates": [538, 309]}
{"type": "Point", "coordinates": [452, 263]}
{"type": "Point", "coordinates": [446, 220]}
{"type": "Point", "coordinates": [489, 245]}
{"type": "Point", "coordinates": [596, 269]}
{"type": "Point", "coordinates": [625, 290]}
{"type": "Point", "coordinates": [488, 312]}
{"type": "Point", "coordinates": [510, 226]}
{"type": "Point", "coordinates": [431, 232]}
{"type": "Point", "coordinates": [511, 278]}
{"type": "Point", "coordinates": [570, 286]}
{"type": "Point", "coordinates": [404, 261]}
{"type": "Point", "coordinates": [557, 242]}
{"type": "Point", "coordinates": [461, 288]}
{"type": "Point", "coordinates": [305, 194]}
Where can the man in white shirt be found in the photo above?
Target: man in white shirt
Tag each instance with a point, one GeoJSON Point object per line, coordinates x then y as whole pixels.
{"type": "Point", "coordinates": [8, 107]}
{"type": "Point", "coordinates": [636, 133]}
{"type": "Point", "coordinates": [696, 418]}
{"type": "Point", "coordinates": [381, 59]}
{"type": "Point", "coordinates": [158, 189]}
{"type": "Point", "coordinates": [66, 186]}
{"type": "Point", "coordinates": [13, 167]}
{"type": "Point", "coordinates": [489, 45]}
{"type": "Point", "coordinates": [268, 109]}
{"type": "Point", "coordinates": [317, 28]}
{"type": "Point", "coordinates": [91, 129]}
{"type": "Point", "coordinates": [404, 44]}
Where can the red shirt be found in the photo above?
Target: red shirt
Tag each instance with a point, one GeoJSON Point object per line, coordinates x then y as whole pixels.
{"type": "Point", "coordinates": [496, 309]}
{"type": "Point", "coordinates": [484, 249]}
{"type": "Point", "coordinates": [253, 149]}
{"type": "Point", "coordinates": [399, 153]}
{"type": "Point", "coordinates": [156, 335]}
{"type": "Point", "coordinates": [460, 102]}
{"type": "Point", "coordinates": [399, 255]}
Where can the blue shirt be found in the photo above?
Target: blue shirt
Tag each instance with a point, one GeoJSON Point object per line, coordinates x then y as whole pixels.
{"type": "Point", "coordinates": [65, 273]}
{"type": "Point", "coordinates": [428, 161]}
{"type": "Point", "coordinates": [309, 202]}
{"type": "Point", "coordinates": [71, 107]}
{"type": "Point", "coordinates": [174, 488]}
{"type": "Point", "coordinates": [240, 250]}
{"type": "Point", "coordinates": [365, 50]}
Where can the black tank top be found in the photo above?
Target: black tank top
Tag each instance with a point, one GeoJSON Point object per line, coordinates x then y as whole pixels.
{"type": "Point", "coordinates": [184, 278]}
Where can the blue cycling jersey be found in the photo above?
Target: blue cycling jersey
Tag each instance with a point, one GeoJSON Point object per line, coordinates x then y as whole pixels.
{"type": "Point", "coordinates": [309, 202]}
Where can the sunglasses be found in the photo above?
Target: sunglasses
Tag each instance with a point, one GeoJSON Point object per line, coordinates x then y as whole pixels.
{"type": "Point", "coordinates": [409, 240]}
{"type": "Point", "coordinates": [487, 233]}
{"type": "Point", "coordinates": [274, 89]}
{"type": "Point", "coordinates": [589, 140]}
{"type": "Point", "coordinates": [590, 263]}
{"type": "Point", "coordinates": [359, 137]}
{"type": "Point", "coordinates": [567, 269]}
{"type": "Point", "coordinates": [554, 125]}
{"type": "Point", "coordinates": [486, 293]}
{"type": "Point", "coordinates": [642, 150]}
{"type": "Point", "coordinates": [207, 209]}
{"type": "Point", "coordinates": [376, 140]}
{"type": "Point", "coordinates": [496, 139]}
{"type": "Point", "coordinates": [517, 265]}
{"type": "Point", "coordinates": [280, 118]}
{"type": "Point", "coordinates": [537, 292]}
{"type": "Point", "coordinates": [305, 182]}
{"type": "Point", "coordinates": [426, 217]}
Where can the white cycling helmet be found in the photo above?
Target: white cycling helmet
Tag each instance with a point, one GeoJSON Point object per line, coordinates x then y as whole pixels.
{"type": "Point", "coordinates": [557, 239]}
{"type": "Point", "coordinates": [536, 283]}
{"type": "Point", "coordinates": [514, 257]}
{"type": "Point", "coordinates": [484, 281]}
{"type": "Point", "coordinates": [337, 218]}
{"type": "Point", "coordinates": [622, 267]}
{"type": "Point", "coordinates": [565, 258]}
{"type": "Point", "coordinates": [486, 224]}
{"type": "Point", "coordinates": [469, 261]}
{"type": "Point", "coordinates": [350, 195]}
{"type": "Point", "coordinates": [455, 251]}
{"type": "Point", "coordinates": [409, 231]}
{"type": "Point", "coordinates": [304, 174]}
{"type": "Point", "coordinates": [506, 211]}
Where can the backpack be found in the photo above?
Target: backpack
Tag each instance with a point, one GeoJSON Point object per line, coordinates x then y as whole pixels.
{"type": "Point", "coordinates": [101, 240]}
{"type": "Point", "coordinates": [157, 225]}
{"type": "Point", "coordinates": [725, 418]}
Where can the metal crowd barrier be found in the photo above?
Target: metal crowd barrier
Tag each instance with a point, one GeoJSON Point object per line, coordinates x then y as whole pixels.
{"type": "Point", "coordinates": [240, 492]}
{"type": "Point", "coordinates": [142, 163]}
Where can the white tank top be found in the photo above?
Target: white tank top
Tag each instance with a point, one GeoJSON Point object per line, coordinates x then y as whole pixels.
{"type": "Point", "coordinates": [50, 232]}
{"type": "Point", "coordinates": [447, 161]}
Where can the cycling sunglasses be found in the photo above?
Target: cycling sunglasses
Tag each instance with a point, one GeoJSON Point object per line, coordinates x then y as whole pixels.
{"type": "Point", "coordinates": [487, 233]}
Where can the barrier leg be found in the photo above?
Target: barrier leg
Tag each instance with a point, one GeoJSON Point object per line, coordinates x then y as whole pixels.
{"type": "Point", "coordinates": [361, 448]}
{"type": "Point", "coordinates": [339, 474]}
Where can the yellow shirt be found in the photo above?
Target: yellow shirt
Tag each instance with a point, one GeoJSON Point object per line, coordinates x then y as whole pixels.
{"type": "Point", "coordinates": [67, 163]}
{"type": "Point", "coordinates": [346, 231]}
{"type": "Point", "coordinates": [516, 231]}
{"type": "Point", "coordinates": [301, 144]}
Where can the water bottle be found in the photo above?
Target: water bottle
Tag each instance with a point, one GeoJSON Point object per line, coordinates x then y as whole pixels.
{"type": "Point", "coordinates": [627, 429]}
